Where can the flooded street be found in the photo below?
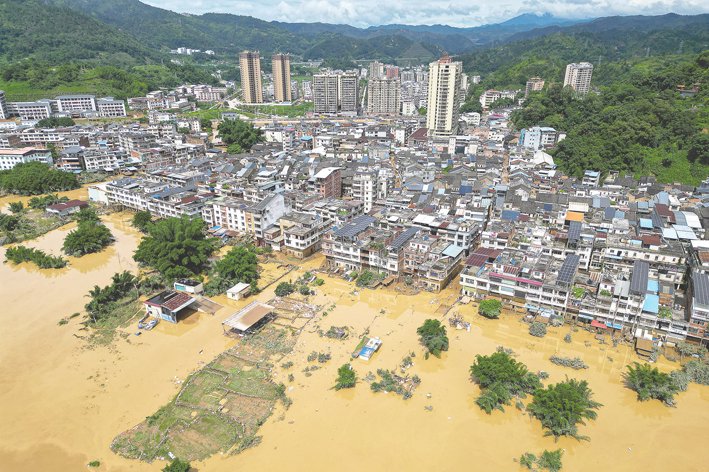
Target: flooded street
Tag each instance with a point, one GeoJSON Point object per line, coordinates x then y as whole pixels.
{"type": "Point", "coordinates": [63, 401]}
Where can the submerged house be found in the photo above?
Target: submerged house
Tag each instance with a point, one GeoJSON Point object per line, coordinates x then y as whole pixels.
{"type": "Point", "coordinates": [168, 304]}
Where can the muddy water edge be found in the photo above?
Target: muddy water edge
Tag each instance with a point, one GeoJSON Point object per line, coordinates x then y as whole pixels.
{"type": "Point", "coordinates": [63, 401]}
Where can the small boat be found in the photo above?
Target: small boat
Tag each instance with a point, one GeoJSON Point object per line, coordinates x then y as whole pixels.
{"type": "Point", "coordinates": [142, 323]}
{"type": "Point", "coordinates": [138, 333]}
{"type": "Point", "coordinates": [151, 324]}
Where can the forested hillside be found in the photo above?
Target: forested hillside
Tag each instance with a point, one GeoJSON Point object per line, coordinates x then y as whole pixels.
{"type": "Point", "coordinates": [638, 124]}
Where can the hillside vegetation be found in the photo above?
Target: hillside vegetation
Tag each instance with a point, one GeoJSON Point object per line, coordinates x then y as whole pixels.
{"type": "Point", "coordinates": [640, 124]}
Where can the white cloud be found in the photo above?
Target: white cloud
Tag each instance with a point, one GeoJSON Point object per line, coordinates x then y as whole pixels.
{"type": "Point", "coordinates": [451, 12]}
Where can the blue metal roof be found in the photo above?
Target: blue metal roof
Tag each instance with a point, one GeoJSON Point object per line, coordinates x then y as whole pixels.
{"type": "Point", "coordinates": [651, 304]}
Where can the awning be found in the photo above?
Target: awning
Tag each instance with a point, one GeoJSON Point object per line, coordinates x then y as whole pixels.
{"type": "Point", "coordinates": [614, 325]}
{"type": "Point", "coordinates": [598, 324]}
{"type": "Point", "coordinates": [585, 317]}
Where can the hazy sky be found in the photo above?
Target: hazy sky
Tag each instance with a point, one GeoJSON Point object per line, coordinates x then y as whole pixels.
{"type": "Point", "coordinates": [450, 12]}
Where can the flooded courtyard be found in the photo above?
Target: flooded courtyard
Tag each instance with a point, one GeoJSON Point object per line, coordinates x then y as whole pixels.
{"type": "Point", "coordinates": [63, 400]}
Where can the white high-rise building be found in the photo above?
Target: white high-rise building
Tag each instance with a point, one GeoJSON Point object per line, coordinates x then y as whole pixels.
{"type": "Point", "coordinates": [578, 77]}
{"type": "Point", "coordinates": [383, 96]}
{"type": "Point", "coordinates": [444, 96]}
{"type": "Point", "coordinates": [4, 115]}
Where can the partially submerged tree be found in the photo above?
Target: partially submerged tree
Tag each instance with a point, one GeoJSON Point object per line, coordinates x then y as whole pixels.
{"type": "Point", "coordinates": [177, 465]}
{"type": "Point", "coordinates": [176, 247]}
{"type": "Point", "coordinates": [649, 383]}
{"type": "Point", "coordinates": [560, 407]}
{"type": "Point", "coordinates": [501, 377]}
{"type": "Point", "coordinates": [239, 265]}
{"type": "Point", "coordinates": [346, 377]}
{"type": "Point", "coordinates": [284, 289]}
{"type": "Point", "coordinates": [432, 335]}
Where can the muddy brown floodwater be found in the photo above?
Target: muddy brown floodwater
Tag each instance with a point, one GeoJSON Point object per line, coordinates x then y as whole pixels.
{"type": "Point", "coordinates": [62, 402]}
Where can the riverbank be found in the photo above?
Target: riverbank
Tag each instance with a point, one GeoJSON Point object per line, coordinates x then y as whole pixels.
{"type": "Point", "coordinates": [63, 402]}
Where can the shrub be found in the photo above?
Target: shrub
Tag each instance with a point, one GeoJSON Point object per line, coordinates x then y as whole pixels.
{"type": "Point", "coordinates": [574, 363]}
{"type": "Point", "coordinates": [649, 383]}
{"type": "Point", "coordinates": [177, 465]}
{"type": "Point", "coordinates": [19, 254]}
{"type": "Point", "coordinates": [346, 377]}
{"type": "Point", "coordinates": [365, 278]}
{"type": "Point", "coordinates": [538, 329]}
{"type": "Point", "coordinates": [432, 335]}
{"type": "Point", "coordinates": [304, 290]}
{"type": "Point", "coordinates": [490, 308]}
{"type": "Point", "coordinates": [698, 371]}
{"type": "Point", "coordinates": [284, 289]}
{"type": "Point", "coordinates": [567, 338]}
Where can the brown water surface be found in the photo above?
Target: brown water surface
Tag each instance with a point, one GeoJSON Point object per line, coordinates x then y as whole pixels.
{"type": "Point", "coordinates": [62, 402]}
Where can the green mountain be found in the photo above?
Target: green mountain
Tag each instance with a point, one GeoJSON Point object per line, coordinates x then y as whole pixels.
{"type": "Point", "coordinates": [605, 42]}
{"type": "Point", "coordinates": [30, 29]}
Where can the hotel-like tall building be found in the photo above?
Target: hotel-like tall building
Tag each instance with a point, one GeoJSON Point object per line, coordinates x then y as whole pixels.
{"type": "Point", "coordinates": [335, 93]}
{"type": "Point", "coordinates": [578, 77]}
{"type": "Point", "coordinates": [444, 97]}
{"type": "Point", "coordinates": [250, 63]}
{"type": "Point", "coordinates": [281, 78]}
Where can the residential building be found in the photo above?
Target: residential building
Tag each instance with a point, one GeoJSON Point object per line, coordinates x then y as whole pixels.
{"type": "Point", "coordinates": [444, 97]}
{"type": "Point", "coordinates": [281, 78]}
{"type": "Point", "coordinates": [327, 182]}
{"type": "Point", "coordinates": [383, 96]}
{"type": "Point", "coordinates": [578, 77]}
{"type": "Point", "coordinates": [76, 103]}
{"type": "Point", "coordinates": [376, 70]}
{"type": "Point", "coordinates": [30, 111]}
{"type": "Point", "coordinates": [535, 84]}
{"type": "Point", "coordinates": [335, 93]}
{"type": "Point", "coordinates": [109, 108]}
{"type": "Point", "coordinates": [538, 137]}
{"type": "Point", "coordinates": [9, 158]}
{"type": "Point", "coordinates": [250, 65]}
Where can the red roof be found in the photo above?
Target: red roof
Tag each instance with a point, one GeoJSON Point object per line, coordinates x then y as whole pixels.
{"type": "Point", "coordinates": [598, 324]}
{"type": "Point", "coordinates": [67, 205]}
{"type": "Point", "coordinates": [651, 240]}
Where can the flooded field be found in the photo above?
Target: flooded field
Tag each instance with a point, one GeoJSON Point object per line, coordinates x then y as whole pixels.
{"type": "Point", "coordinates": [79, 193]}
{"type": "Point", "coordinates": [63, 401]}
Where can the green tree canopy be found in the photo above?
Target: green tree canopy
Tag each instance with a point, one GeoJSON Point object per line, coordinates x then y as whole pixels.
{"type": "Point", "coordinates": [177, 465]}
{"type": "Point", "coordinates": [54, 122]}
{"type": "Point", "coordinates": [239, 265]}
{"type": "Point", "coordinates": [176, 247]}
{"type": "Point", "coordinates": [34, 178]}
{"type": "Point", "coordinates": [241, 133]}
{"type": "Point", "coordinates": [142, 219]}
{"type": "Point", "coordinates": [649, 383]}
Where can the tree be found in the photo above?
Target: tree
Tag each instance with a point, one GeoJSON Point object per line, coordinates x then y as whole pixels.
{"type": "Point", "coordinates": [648, 382]}
{"type": "Point", "coordinates": [501, 377]}
{"type": "Point", "coordinates": [87, 215]}
{"type": "Point", "coordinates": [490, 308]}
{"type": "Point", "coordinates": [16, 207]}
{"type": "Point", "coordinates": [239, 265]}
{"type": "Point", "coordinates": [346, 377]}
{"type": "Point", "coordinates": [176, 247]}
{"type": "Point", "coordinates": [240, 133]}
{"type": "Point", "coordinates": [55, 122]}
{"type": "Point", "coordinates": [284, 289]}
{"type": "Point", "coordinates": [304, 290]}
{"type": "Point", "coordinates": [528, 460]}
{"type": "Point", "coordinates": [432, 334]}
{"type": "Point", "coordinates": [141, 220]}
{"type": "Point", "coordinates": [686, 349]}
{"type": "Point", "coordinates": [560, 407]}
{"type": "Point", "coordinates": [177, 465]}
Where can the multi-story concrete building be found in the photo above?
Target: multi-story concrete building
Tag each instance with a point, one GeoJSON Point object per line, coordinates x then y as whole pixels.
{"type": "Point", "coordinates": [9, 158]}
{"type": "Point", "coordinates": [444, 96]}
{"type": "Point", "coordinates": [383, 96]}
{"type": "Point", "coordinates": [30, 111]}
{"type": "Point", "coordinates": [376, 70]}
{"type": "Point", "coordinates": [302, 233]}
{"type": "Point", "coordinates": [281, 78]}
{"type": "Point", "coordinates": [110, 108]}
{"type": "Point", "coordinates": [535, 84]}
{"type": "Point", "coordinates": [578, 77]}
{"type": "Point", "coordinates": [538, 137]}
{"type": "Point", "coordinates": [250, 64]}
{"type": "Point", "coordinates": [327, 182]}
{"type": "Point", "coordinates": [76, 103]}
